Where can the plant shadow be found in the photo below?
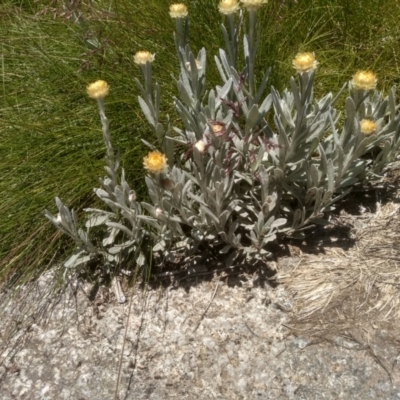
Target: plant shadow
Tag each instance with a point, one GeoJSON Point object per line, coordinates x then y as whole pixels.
{"type": "Point", "coordinates": [208, 264]}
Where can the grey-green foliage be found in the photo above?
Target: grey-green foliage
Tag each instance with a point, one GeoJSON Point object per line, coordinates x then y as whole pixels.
{"type": "Point", "coordinates": [244, 165]}
{"type": "Point", "coordinates": [122, 227]}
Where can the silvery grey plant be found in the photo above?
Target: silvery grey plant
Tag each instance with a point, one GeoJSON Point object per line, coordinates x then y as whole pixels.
{"type": "Point", "coordinates": [253, 164]}
{"type": "Point", "coordinates": [123, 230]}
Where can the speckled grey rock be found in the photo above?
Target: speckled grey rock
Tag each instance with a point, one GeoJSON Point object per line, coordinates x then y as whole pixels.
{"type": "Point", "coordinates": [239, 349]}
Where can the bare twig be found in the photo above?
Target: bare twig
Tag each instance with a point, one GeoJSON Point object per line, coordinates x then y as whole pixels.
{"type": "Point", "coordinates": [205, 311]}
{"type": "Point", "coordinates": [269, 341]}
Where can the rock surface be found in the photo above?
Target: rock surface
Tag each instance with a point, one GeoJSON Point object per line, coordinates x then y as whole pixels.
{"type": "Point", "coordinates": [224, 338]}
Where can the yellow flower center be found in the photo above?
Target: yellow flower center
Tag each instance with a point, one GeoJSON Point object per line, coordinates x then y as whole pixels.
{"type": "Point", "coordinates": [97, 90]}
{"type": "Point", "coordinates": [364, 80]}
{"type": "Point", "coordinates": [141, 57]}
{"type": "Point", "coordinates": [228, 7]}
{"type": "Point", "coordinates": [155, 162]}
{"type": "Point", "coordinates": [178, 10]}
{"type": "Point", "coordinates": [200, 146]}
{"type": "Point", "coordinates": [218, 129]}
{"type": "Point", "coordinates": [305, 62]}
{"type": "Point", "coordinates": [367, 127]}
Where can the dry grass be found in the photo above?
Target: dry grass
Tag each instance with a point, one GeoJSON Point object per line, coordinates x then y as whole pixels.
{"type": "Point", "coordinates": [349, 297]}
{"type": "Point", "coordinates": [361, 282]}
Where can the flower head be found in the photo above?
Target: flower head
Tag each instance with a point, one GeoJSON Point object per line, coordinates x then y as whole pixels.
{"type": "Point", "coordinates": [367, 127]}
{"type": "Point", "coordinates": [159, 214]}
{"type": "Point", "coordinates": [305, 62]}
{"type": "Point", "coordinates": [228, 7]}
{"type": "Point", "coordinates": [253, 4]}
{"type": "Point", "coordinates": [132, 196]}
{"type": "Point", "coordinates": [97, 90]}
{"type": "Point", "coordinates": [218, 128]}
{"type": "Point", "coordinates": [155, 162]}
{"type": "Point", "coordinates": [364, 80]}
{"type": "Point", "coordinates": [200, 146]}
{"type": "Point", "coordinates": [141, 57]}
{"type": "Point", "coordinates": [178, 10]}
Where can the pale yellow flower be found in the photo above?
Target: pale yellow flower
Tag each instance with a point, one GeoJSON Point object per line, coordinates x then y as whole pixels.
{"type": "Point", "coordinates": [367, 127]}
{"type": "Point", "coordinates": [218, 129]}
{"type": "Point", "coordinates": [364, 80]}
{"type": "Point", "coordinates": [141, 57]}
{"type": "Point", "coordinates": [178, 10]}
{"type": "Point", "coordinates": [253, 4]}
{"type": "Point", "coordinates": [305, 62]}
{"type": "Point", "coordinates": [155, 162]}
{"type": "Point", "coordinates": [228, 7]}
{"type": "Point", "coordinates": [97, 90]}
{"type": "Point", "coordinates": [200, 146]}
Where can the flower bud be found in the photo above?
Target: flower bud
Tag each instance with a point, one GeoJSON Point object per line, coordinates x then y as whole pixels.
{"type": "Point", "coordinates": [159, 213]}
{"type": "Point", "coordinates": [218, 128]}
{"type": "Point", "coordinates": [167, 184]}
{"type": "Point", "coordinates": [132, 196]}
{"type": "Point", "coordinates": [200, 146]}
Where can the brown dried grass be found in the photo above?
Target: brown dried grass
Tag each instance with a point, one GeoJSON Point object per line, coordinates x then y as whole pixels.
{"type": "Point", "coordinates": [342, 288]}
